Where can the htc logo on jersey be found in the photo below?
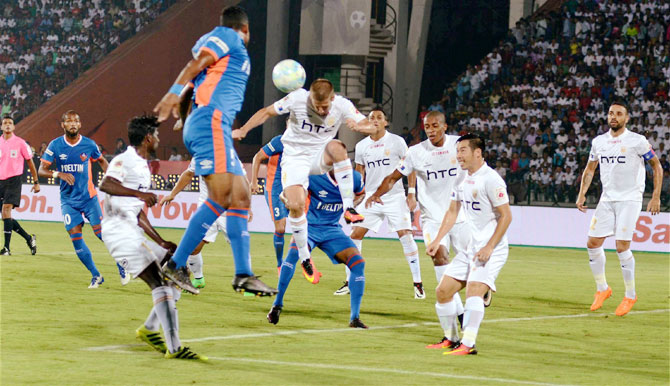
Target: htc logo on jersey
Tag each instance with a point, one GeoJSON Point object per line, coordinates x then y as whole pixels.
{"type": "Point", "coordinates": [75, 168]}
{"type": "Point", "coordinates": [313, 127]}
{"type": "Point", "coordinates": [379, 162]}
{"type": "Point", "coordinates": [474, 205]}
{"type": "Point", "coordinates": [612, 159]}
{"type": "Point", "coordinates": [329, 207]}
{"type": "Point", "coordinates": [442, 173]}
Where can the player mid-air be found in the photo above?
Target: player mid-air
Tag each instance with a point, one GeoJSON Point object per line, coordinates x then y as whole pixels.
{"type": "Point", "coordinates": [126, 186]}
{"type": "Point", "coordinates": [315, 117]}
{"type": "Point", "coordinates": [621, 155]}
{"type": "Point", "coordinates": [272, 152]}
{"type": "Point", "coordinates": [219, 72]}
{"type": "Point", "coordinates": [325, 232]}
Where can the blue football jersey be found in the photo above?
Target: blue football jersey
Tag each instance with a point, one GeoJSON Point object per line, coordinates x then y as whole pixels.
{"type": "Point", "coordinates": [76, 160]}
{"type": "Point", "coordinates": [273, 150]}
{"type": "Point", "coordinates": [324, 200]}
{"type": "Point", "coordinates": [222, 84]}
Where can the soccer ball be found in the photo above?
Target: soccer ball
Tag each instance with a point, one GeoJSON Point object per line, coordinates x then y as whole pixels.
{"type": "Point", "coordinates": [288, 75]}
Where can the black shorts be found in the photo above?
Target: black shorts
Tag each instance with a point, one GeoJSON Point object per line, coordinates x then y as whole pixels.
{"type": "Point", "coordinates": [10, 191]}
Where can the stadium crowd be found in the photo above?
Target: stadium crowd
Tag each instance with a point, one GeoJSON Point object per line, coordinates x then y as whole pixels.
{"type": "Point", "coordinates": [46, 44]}
{"type": "Point", "coordinates": [541, 96]}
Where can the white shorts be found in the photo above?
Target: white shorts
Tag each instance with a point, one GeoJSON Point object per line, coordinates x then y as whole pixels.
{"type": "Point", "coordinates": [126, 243]}
{"type": "Point", "coordinates": [394, 210]}
{"type": "Point", "coordinates": [464, 268]}
{"type": "Point", "coordinates": [213, 231]}
{"type": "Point", "coordinates": [458, 237]}
{"type": "Point", "coordinates": [617, 218]}
{"type": "Point", "coordinates": [302, 166]}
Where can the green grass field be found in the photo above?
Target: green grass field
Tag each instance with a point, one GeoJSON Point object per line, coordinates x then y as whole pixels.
{"type": "Point", "coordinates": [539, 329]}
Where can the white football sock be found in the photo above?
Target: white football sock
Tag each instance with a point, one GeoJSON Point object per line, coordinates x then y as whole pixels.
{"type": "Point", "coordinates": [345, 182]}
{"type": "Point", "coordinates": [446, 313]}
{"type": "Point", "coordinates": [628, 270]}
{"type": "Point", "coordinates": [412, 255]}
{"type": "Point", "coordinates": [359, 246]}
{"type": "Point", "coordinates": [195, 265]}
{"type": "Point", "coordinates": [474, 314]}
{"type": "Point", "coordinates": [166, 311]}
{"type": "Point", "coordinates": [597, 261]}
{"type": "Point", "coordinates": [299, 229]}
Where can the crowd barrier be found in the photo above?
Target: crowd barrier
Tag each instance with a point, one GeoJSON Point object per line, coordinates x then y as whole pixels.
{"type": "Point", "coordinates": [531, 225]}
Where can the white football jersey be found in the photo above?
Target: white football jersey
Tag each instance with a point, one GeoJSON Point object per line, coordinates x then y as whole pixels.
{"type": "Point", "coordinates": [479, 194]}
{"type": "Point", "coordinates": [621, 162]}
{"type": "Point", "coordinates": [306, 131]}
{"type": "Point", "coordinates": [380, 159]}
{"type": "Point", "coordinates": [133, 172]}
{"type": "Point", "coordinates": [437, 173]}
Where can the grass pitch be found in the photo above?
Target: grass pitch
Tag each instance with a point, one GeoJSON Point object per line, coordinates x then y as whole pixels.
{"type": "Point", "coordinates": [539, 329]}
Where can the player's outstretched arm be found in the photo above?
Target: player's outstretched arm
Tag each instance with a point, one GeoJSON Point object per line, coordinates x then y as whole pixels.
{"type": "Point", "coordinates": [364, 126]}
{"type": "Point", "coordinates": [448, 222]}
{"type": "Point", "coordinates": [33, 172]}
{"type": "Point", "coordinates": [113, 187]}
{"type": "Point", "coordinates": [184, 179]}
{"type": "Point", "coordinates": [654, 205]}
{"type": "Point", "coordinates": [170, 102]}
{"type": "Point", "coordinates": [256, 120]}
{"type": "Point", "coordinates": [259, 157]}
{"type": "Point", "coordinates": [384, 187]}
{"type": "Point", "coordinates": [146, 226]}
{"type": "Point", "coordinates": [504, 219]}
{"type": "Point", "coordinates": [587, 177]}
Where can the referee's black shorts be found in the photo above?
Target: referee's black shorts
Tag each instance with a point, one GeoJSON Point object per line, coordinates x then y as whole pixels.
{"type": "Point", "coordinates": [10, 191]}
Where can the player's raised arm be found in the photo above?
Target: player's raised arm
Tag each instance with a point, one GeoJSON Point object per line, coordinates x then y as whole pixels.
{"type": "Point", "coordinates": [448, 222]}
{"type": "Point", "coordinates": [114, 187]}
{"type": "Point", "coordinates": [259, 157]}
{"type": "Point", "coordinates": [184, 179]}
{"type": "Point", "coordinates": [384, 187]}
{"type": "Point", "coordinates": [171, 100]}
{"type": "Point", "coordinates": [654, 205]}
{"type": "Point", "coordinates": [363, 126]}
{"type": "Point", "coordinates": [256, 120]}
{"type": "Point", "coordinates": [587, 177]}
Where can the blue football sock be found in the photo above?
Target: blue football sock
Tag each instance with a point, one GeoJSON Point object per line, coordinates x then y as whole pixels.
{"type": "Point", "coordinates": [97, 230]}
{"type": "Point", "coordinates": [356, 283]}
{"type": "Point", "coordinates": [237, 220]}
{"type": "Point", "coordinates": [203, 218]}
{"type": "Point", "coordinates": [287, 271]}
{"type": "Point", "coordinates": [83, 253]}
{"type": "Point", "coordinates": [279, 247]}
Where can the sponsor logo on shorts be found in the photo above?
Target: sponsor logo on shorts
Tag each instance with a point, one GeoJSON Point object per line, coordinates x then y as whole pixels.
{"type": "Point", "coordinates": [206, 164]}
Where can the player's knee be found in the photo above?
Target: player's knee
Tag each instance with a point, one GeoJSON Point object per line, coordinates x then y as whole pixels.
{"type": "Point", "coordinates": [439, 260]}
{"type": "Point", "coordinates": [280, 229]}
{"type": "Point", "coordinates": [622, 246]}
{"type": "Point", "coordinates": [593, 243]}
{"type": "Point", "coordinates": [337, 150]}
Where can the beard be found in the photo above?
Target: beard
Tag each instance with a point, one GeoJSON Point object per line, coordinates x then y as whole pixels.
{"type": "Point", "coordinates": [618, 126]}
{"type": "Point", "coordinates": [71, 134]}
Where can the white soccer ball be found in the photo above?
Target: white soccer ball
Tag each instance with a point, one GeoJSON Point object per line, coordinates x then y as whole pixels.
{"type": "Point", "coordinates": [288, 75]}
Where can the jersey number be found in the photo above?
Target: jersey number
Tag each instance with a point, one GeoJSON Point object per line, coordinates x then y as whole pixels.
{"type": "Point", "coordinates": [67, 219]}
{"type": "Point", "coordinates": [276, 212]}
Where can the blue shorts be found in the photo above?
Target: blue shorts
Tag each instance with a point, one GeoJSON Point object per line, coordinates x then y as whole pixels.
{"type": "Point", "coordinates": [330, 239]}
{"type": "Point", "coordinates": [209, 140]}
{"type": "Point", "coordinates": [73, 215]}
{"type": "Point", "coordinates": [277, 208]}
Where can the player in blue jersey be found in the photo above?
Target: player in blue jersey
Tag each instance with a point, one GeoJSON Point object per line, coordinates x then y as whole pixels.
{"type": "Point", "coordinates": [72, 154]}
{"type": "Point", "coordinates": [219, 72]}
{"type": "Point", "coordinates": [325, 232]}
{"type": "Point", "coordinates": [272, 152]}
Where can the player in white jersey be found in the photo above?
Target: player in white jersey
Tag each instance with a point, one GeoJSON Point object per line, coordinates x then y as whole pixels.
{"type": "Point", "coordinates": [315, 116]}
{"type": "Point", "coordinates": [376, 157]}
{"type": "Point", "coordinates": [437, 172]}
{"type": "Point", "coordinates": [621, 155]}
{"type": "Point", "coordinates": [483, 197]}
{"type": "Point", "coordinates": [125, 185]}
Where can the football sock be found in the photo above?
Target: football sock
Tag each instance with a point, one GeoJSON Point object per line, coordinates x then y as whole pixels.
{"type": "Point", "coordinates": [237, 222]}
{"type": "Point", "coordinates": [153, 323]}
{"type": "Point", "coordinates": [299, 228]}
{"type": "Point", "coordinates": [356, 264]}
{"type": "Point", "coordinates": [202, 219]}
{"type": "Point", "coordinates": [9, 226]}
{"type": "Point", "coordinates": [597, 262]}
{"type": "Point", "coordinates": [412, 255]}
{"type": "Point", "coordinates": [18, 229]}
{"type": "Point", "coordinates": [439, 272]}
{"type": "Point", "coordinates": [286, 274]}
{"type": "Point", "coordinates": [83, 253]}
{"type": "Point", "coordinates": [195, 265]}
{"type": "Point", "coordinates": [628, 270]}
{"type": "Point", "coordinates": [359, 246]}
{"type": "Point", "coordinates": [459, 304]}
{"type": "Point", "coordinates": [446, 313]}
{"type": "Point", "coordinates": [278, 240]}
{"type": "Point", "coordinates": [97, 230]}
{"type": "Point", "coordinates": [345, 182]}
{"type": "Point", "coordinates": [167, 314]}
{"type": "Point", "coordinates": [474, 314]}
